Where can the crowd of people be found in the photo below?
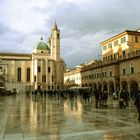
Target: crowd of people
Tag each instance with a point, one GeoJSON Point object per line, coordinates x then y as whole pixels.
{"type": "Point", "coordinates": [101, 97]}
{"type": "Point", "coordinates": [4, 92]}
{"type": "Point", "coordinates": [61, 94]}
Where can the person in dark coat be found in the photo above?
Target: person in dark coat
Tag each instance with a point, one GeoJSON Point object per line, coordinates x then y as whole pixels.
{"type": "Point", "coordinates": [126, 97]}
{"type": "Point", "coordinates": [105, 98]}
{"type": "Point", "coordinates": [137, 103]}
{"type": "Point", "coordinates": [96, 98]}
{"type": "Point", "coordinates": [35, 93]}
{"type": "Point", "coordinates": [121, 100]}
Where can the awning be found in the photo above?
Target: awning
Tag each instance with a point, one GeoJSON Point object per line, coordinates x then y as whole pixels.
{"type": "Point", "coordinates": [77, 87]}
{"type": "Point", "coordinates": [2, 87]}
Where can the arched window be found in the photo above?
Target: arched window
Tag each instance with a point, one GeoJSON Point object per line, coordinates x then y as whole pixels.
{"type": "Point", "coordinates": [132, 70]}
{"type": "Point", "coordinates": [39, 69]}
{"type": "Point", "coordinates": [28, 75]}
{"type": "Point", "coordinates": [49, 69]}
{"type": "Point", "coordinates": [123, 70]}
{"type": "Point", "coordinates": [58, 36]}
{"type": "Point", "coordinates": [110, 72]}
{"type": "Point", "coordinates": [19, 74]}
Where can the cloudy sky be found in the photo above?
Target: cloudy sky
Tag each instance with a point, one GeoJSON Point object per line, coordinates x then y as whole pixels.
{"type": "Point", "coordinates": [83, 24]}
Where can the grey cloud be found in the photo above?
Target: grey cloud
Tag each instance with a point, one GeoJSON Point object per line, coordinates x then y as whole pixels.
{"type": "Point", "coordinates": [3, 28]}
{"type": "Point", "coordinates": [76, 51]}
{"type": "Point", "coordinates": [96, 17]}
{"type": "Point", "coordinates": [14, 36]}
{"type": "Point", "coordinates": [10, 40]}
{"type": "Point", "coordinates": [110, 16]}
{"type": "Point", "coordinates": [83, 26]}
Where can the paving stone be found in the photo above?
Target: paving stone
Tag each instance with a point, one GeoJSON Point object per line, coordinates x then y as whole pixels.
{"type": "Point", "coordinates": [24, 118]}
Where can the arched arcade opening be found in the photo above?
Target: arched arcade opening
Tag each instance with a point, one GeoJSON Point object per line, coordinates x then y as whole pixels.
{"type": "Point", "coordinates": [111, 87]}
{"type": "Point", "coordinates": [105, 86]}
{"type": "Point", "coordinates": [124, 85]}
{"type": "Point", "coordinates": [134, 87]}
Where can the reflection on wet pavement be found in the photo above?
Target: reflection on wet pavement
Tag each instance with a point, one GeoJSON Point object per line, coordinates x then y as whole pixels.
{"type": "Point", "coordinates": [23, 118]}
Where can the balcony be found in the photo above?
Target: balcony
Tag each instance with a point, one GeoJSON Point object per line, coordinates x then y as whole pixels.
{"type": "Point", "coordinates": [100, 63]}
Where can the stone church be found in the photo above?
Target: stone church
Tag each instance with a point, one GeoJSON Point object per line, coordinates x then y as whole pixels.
{"type": "Point", "coordinates": [43, 68]}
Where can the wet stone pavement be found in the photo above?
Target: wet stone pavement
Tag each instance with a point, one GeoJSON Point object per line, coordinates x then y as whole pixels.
{"type": "Point", "coordinates": [24, 118]}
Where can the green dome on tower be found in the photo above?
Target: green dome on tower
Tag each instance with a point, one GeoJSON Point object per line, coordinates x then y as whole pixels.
{"type": "Point", "coordinates": [42, 46]}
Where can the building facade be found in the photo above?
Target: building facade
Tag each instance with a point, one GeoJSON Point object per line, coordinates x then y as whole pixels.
{"type": "Point", "coordinates": [119, 67]}
{"type": "Point", "coordinates": [43, 68]}
{"type": "Point", "coordinates": [72, 77]}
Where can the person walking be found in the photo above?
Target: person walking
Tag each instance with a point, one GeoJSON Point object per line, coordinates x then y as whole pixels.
{"type": "Point", "coordinates": [137, 103]}
{"type": "Point", "coordinates": [126, 97]}
{"type": "Point", "coordinates": [96, 92]}
{"type": "Point", "coordinates": [121, 99]}
{"type": "Point", "coordinates": [105, 98]}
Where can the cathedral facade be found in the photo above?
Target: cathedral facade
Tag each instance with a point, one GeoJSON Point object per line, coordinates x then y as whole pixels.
{"type": "Point", "coordinates": [42, 69]}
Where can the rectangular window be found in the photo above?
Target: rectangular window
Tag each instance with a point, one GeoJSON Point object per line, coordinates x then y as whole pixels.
{"type": "Point", "coordinates": [28, 75]}
{"type": "Point", "coordinates": [34, 78]}
{"type": "Point", "coordinates": [109, 45]}
{"type": "Point", "coordinates": [44, 78]}
{"type": "Point", "coordinates": [39, 69]}
{"type": "Point", "coordinates": [124, 55]}
{"type": "Point", "coordinates": [98, 75]}
{"type": "Point", "coordinates": [108, 58]}
{"type": "Point", "coordinates": [105, 74]}
{"type": "Point", "coordinates": [132, 70]}
{"type": "Point", "coordinates": [102, 74]}
{"type": "Point", "coordinates": [52, 78]}
{"type": "Point", "coordinates": [57, 35]}
{"type": "Point", "coordinates": [123, 40]}
{"type": "Point", "coordinates": [123, 71]}
{"type": "Point", "coordinates": [116, 55]}
{"type": "Point", "coordinates": [111, 57]}
{"type": "Point", "coordinates": [116, 43]}
{"type": "Point", "coordinates": [104, 48]}
{"type": "Point", "coordinates": [110, 73]}
{"type": "Point", "coordinates": [19, 74]}
{"type": "Point", "coordinates": [49, 69]}
{"type": "Point", "coordinates": [136, 39]}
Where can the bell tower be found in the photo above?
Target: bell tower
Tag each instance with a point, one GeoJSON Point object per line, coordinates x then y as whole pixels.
{"type": "Point", "coordinates": [55, 43]}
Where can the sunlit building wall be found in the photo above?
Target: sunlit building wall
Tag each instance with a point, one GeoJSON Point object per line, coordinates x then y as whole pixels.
{"type": "Point", "coordinates": [43, 68]}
